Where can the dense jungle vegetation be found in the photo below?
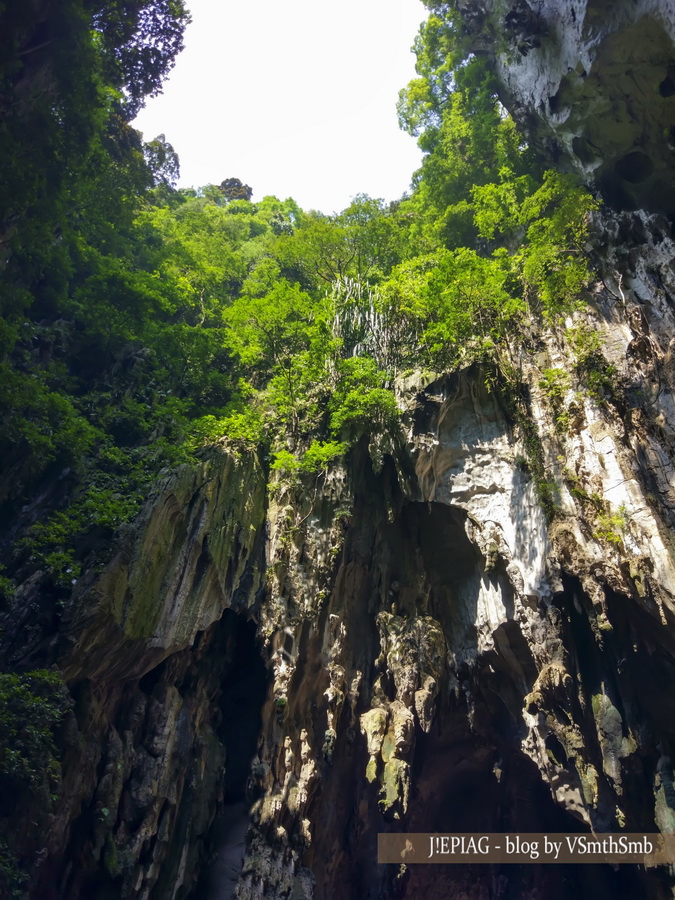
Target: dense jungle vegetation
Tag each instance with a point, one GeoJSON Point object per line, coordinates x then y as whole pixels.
{"type": "Point", "coordinates": [140, 322]}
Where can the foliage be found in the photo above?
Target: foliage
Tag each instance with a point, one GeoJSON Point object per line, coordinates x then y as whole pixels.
{"type": "Point", "coordinates": [31, 707]}
{"type": "Point", "coordinates": [555, 384]}
{"type": "Point", "coordinates": [11, 876]}
{"type": "Point", "coordinates": [233, 189]}
{"type": "Point", "coordinates": [441, 54]}
{"type": "Point", "coordinates": [139, 41]}
{"type": "Point", "coordinates": [320, 454]}
{"type": "Point", "coordinates": [163, 162]}
{"type": "Point", "coordinates": [242, 426]}
{"type": "Point", "coordinates": [140, 322]}
{"type": "Point", "coordinates": [50, 543]}
{"type": "Point", "coordinates": [598, 376]}
{"type": "Point", "coordinates": [285, 462]}
{"type": "Point", "coordinates": [360, 402]}
{"type": "Point", "coordinates": [611, 526]}
{"type": "Point", "coordinates": [554, 264]}
{"type": "Point", "coordinates": [71, 75]}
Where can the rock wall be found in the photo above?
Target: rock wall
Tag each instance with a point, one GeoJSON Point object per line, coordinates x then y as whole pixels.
{"type": "Point", "coordinates": [160, 659]}
{"type": "Point", "coordinates": [593, 83]}
{"type": "Point", "coordinates": [465, 626]}
{"type": "Point", "coordinates": [475, 659]}
{"type": "Point", "coordinates": [492, 647]}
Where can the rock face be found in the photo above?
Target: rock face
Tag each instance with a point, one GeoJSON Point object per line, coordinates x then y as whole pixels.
{"type": "Point", "coordinates": [595, 82]}
{"type": "Point", "coordinates": [160, 667]}
{"type": "Point", "coordinates": [468, 628]}
{"type": "Point", "coordinates": [473, 662]}
{"type": "Point", "coordinates": [474, 629]}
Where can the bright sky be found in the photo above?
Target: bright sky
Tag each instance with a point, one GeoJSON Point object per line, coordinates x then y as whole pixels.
{"type": "Point", "coordinates": [297, 98]}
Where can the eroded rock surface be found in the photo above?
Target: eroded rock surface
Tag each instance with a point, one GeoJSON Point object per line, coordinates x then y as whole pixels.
{"type": "Point", "coordinates": [467, 628]}
{"type": "Point", "coordinates": [492, 647]}
{"type": "Point", "coordinates": [167, 684]}
{"type": "Point", "coordinates": [595, 82]}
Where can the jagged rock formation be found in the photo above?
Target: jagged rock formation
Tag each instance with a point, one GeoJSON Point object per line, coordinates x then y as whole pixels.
{"type": "Point", "coordinates": [471, 666]}
{"type": "Point", "coordinates": [159, 677]}
{"type": "Point", "coordinates": [487, 661]}
{"type": "Point", "coordinates": [595, 83]}
{"type": "Point", "coordinates": [466, 626]}
{"type": "Point", "coordinates": [443, 657]}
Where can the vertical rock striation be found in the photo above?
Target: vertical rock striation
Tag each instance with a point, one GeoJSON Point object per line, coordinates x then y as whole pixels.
{"type": "Point", "coordinates": [159, 656]}
{"type": "Point", "coordinates": [472, 662]}
{"type": "Point", "coordinates": [484, 641]}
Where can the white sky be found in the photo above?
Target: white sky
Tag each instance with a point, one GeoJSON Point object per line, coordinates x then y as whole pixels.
{"type": "Point", "coordinates": [297, 98]}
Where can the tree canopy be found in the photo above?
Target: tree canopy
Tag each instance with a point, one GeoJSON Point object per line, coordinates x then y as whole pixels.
{"type": "Point", "coordinates": [140, 322]}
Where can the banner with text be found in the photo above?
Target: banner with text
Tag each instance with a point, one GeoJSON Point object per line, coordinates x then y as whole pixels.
{"type": "Point", "coordinates": [642, 849]}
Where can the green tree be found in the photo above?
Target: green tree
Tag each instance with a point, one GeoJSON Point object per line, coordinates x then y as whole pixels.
{"type": "Point", "coordinates": [162, 161]}
{"type": "Point", "coordinates": [139, 41]}
{"type": "Point", "coordinates": [233, 189]}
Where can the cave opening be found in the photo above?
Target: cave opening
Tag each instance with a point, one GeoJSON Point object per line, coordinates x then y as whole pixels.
{"type": "Point", "coordinates": [244, 687]}
{"type": "Point", "coordinates": [472, 777]}
{"type": "Point", "coordinates": [635, 167]}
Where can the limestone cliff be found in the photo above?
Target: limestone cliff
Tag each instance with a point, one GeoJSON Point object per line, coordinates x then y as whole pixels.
{"type": "Point", "coordinates": [593, 82]}
{"type": "Point", "coordinates": [467, 625]}
{"type": "Point", "coordinates": [492, 646]}
{"type": "Point", "coordinates": [158, 675]}
{"type": "Point", "coordinates": [475, 659]}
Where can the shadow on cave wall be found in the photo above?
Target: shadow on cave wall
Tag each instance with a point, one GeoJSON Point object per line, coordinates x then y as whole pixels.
{"type": "Point", "coordinates": [244, 688]}
{"type": "Point", "coordinates": [470, 773]}
{"type": "Point", "coordinates": [221, 683]}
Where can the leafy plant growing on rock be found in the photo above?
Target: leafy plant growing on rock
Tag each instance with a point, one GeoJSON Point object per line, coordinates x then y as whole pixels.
{"type": "Point", "coordinates": [599, 377]}
{"type": "Point", "coordinates": [31, 707]}
{"type": "Point", "coordinates": [555, 383]}
{"type": "Point", "coordinates": [611, 526]}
